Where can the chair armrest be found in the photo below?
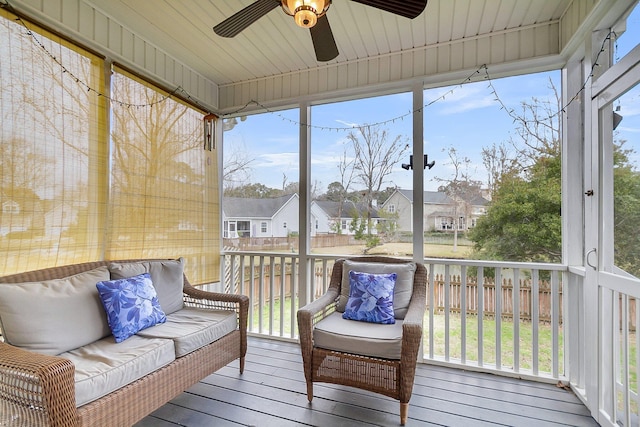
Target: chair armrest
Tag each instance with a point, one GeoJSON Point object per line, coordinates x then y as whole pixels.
{"type": "Point", "coordinates": [412, 325]}
{"type": "Point", "coordinates": [194, 297]}
{"type": "Point", "coordinates": [308, 316]}
{"type": "Point", "coordinates": [36, 389]}
{"type": "Point", "coordinates": [411, 340]}
{"type": "Point", "coordinates": [317, 310]}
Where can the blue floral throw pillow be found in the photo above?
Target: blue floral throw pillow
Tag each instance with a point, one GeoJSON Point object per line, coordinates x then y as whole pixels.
{"type": "Point", "coordinates": [370, 297]}
{"type": "Point", "coordinates": [131, 305]}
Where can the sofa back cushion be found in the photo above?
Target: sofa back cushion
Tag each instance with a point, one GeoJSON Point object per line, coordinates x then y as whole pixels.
{"type": "Point", "coordinates": [403, 287]}
{"type": "Point", "coordinates": [166, 276]}
{"type": "Point", "coordinates": [54, 316]}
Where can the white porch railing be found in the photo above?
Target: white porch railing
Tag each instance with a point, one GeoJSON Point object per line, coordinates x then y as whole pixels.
{"type": "Point", "coordinates": [618, 320]}
{"type": "Point", "coordinates": [472, 308]}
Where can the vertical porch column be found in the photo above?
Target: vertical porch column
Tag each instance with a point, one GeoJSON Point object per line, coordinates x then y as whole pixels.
{"type": "Point", "coordinates": [101, 171]}
{"type": "Point", "coordinates": [418, 172]}
{"type": "Point", "coordinates": [219, 139]}
{"type": "Point", "coordinates": [304, 294]}
{"type": "Point", "coordinates": [590, 284]}
{"type": "Point", "coordinates": [573, 227]}
{"type": "Point", "coordinates": [600, 211]}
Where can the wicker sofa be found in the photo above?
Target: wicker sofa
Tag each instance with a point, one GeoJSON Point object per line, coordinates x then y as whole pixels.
{"type": "Point", "coordinates": [203, 332]}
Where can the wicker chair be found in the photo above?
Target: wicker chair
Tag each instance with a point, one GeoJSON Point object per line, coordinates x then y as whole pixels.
{"type": "Point", "coordinates": [390, 376]}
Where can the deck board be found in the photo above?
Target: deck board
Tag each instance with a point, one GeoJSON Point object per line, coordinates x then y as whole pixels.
{"type": "Point", "coordinates": [272, 393]}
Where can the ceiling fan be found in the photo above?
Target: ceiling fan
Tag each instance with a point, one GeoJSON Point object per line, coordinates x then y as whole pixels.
{"type": "Point", "coordinates": [311, 14]}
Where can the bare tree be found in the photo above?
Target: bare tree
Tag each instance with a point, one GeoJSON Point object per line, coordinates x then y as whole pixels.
{"type": "Point", "coordinates": [375, 157]}
{"type": "Point", "coordinates": [537, 133]}
{"type": "Point", "coordinates": [22, 166]}
{"type": "Point", "coordinates": [461, 189]}
{"type": "Point", "coordinates": [538, 128]}
{"type": "Point", "coordinates": [346, 171]}
{"type": "Point", "coordinates": [236, 168]}
{"type": "Point", "coordinates": [498, 160]}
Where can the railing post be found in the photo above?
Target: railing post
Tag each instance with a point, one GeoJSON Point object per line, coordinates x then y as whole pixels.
{"type": "Point", "coordinates": [305, 270]}
{"type": "Point", "coordinates": [535, 318]}
{"type": "Point", "coordinates": [515, 310]}
{"type": "Point", "coordinates": [418, 172]}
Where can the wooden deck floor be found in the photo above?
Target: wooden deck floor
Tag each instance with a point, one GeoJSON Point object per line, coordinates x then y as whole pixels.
{"type": "Point", "coordinates": [272, 392]}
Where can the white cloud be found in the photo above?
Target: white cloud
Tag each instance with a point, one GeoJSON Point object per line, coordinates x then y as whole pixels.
{"type": "Point", "coordinates": [348, 124]}
{"type": "Point", "coordinates": [460, 99]}
{"type": "Point", "coordinates": [628, 129]}
{"type": "Point", "coordinates": [277, 160]}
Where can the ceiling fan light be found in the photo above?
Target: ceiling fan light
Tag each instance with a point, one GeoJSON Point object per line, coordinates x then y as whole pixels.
{"type": "Point", "coordinates": [306, 12]}
{"type": "Point", "coordinates": [305, 17]}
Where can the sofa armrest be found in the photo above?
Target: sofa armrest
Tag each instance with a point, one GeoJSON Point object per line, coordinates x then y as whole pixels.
{"type": "Point", "coordinates": [194, 297]}
{"type": "Point", "coordinates": [36, 389]}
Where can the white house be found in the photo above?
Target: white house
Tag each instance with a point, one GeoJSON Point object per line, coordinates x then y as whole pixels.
{"type": "Point", "coordinates": [265, 217]}
{"type": "Point", "coordinates": [441, 212]}
{"type": "Point", "coordinates": [327, 217]}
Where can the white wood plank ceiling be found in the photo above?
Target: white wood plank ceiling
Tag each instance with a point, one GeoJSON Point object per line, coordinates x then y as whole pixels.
{"type": "Point", "coordinates": [273, 60]}
{"type": "Point", "coordinates": [275, 45]}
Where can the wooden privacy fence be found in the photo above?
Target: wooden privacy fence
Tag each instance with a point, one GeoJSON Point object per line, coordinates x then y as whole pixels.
{"type": "Point", "coordinates": [490, 292]}
{"type": "Point", "coordinates": [332, 240]}
{"type": "Point", "coordinates": [276, 287]}
{"type": "Point", "coordinates": [286, 244]}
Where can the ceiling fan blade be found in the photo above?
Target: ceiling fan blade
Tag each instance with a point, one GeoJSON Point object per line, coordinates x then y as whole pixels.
{"type": "Point", "coordinates": [233, 25]}
{"type": "Point", "coordinates": [323, 42]}
{"type": "Point", "coordinates": [407, 8]}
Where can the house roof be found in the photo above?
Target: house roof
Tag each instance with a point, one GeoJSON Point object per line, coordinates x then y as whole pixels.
{"type": "Point", "coordinates": [479, 201]}
{"type": "Point", "coordinates": [332, 209]}
{"type": "Point", "coordinates": [241, 207]}
{"type": "Point", "coordinates": [430, 197]}
{"type": "Point", "coordinates": [439, 197]}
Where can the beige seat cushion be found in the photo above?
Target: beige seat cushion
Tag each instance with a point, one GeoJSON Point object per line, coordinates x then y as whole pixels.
{"type": "Point", "coordinates": [104, 366]}
{"type": "Point", "coordinates": [401, 293]}
{"type": "Point", "coordinates": [54, 316]}
{"type": "Point", "coordinates": [166, 276]}
{"type": "Point", "coordinates": [193, 328]}
{"type": "Point", "coordinates": [352, 336]}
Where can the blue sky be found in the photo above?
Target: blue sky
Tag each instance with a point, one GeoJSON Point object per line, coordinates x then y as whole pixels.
{"type": "Point", "coordinates": [465, 116]}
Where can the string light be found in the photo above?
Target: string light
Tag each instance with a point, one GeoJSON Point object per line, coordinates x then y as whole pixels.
{"type": "Point", "coordinates": [79, 81]}
{"type": "Point", "coordinates": [348, 128]}
{"type": "Point", "coordinates": [442, 97]}
{"type": "Point", "coordinates": [515, 117]}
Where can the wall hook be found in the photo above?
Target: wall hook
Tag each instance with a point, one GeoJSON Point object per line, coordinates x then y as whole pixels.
{"type": "Point", "coordinates": [592, 251]}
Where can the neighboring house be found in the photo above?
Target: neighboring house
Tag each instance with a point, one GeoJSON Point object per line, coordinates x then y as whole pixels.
{"type": "Point", "coordinates": [441, 213]}
{"type": "Point", "coordinates": [60, 217]}
{"type": "Point", "coordinates": [327, 217]}
{"type": "Point", "coordinates": [478, 208]}
{"type": "Point", "coordinates": [268, 217]}
{"type": "Point", "coordinates": [21, 213]}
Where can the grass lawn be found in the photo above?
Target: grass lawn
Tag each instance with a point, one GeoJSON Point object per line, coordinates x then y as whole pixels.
{"type": "Point", "coordinates": [398, 249]}
{"type": "Point", "coordinates": [545, 345]}
{"type": "Point", "coordinates": [489, 356]}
